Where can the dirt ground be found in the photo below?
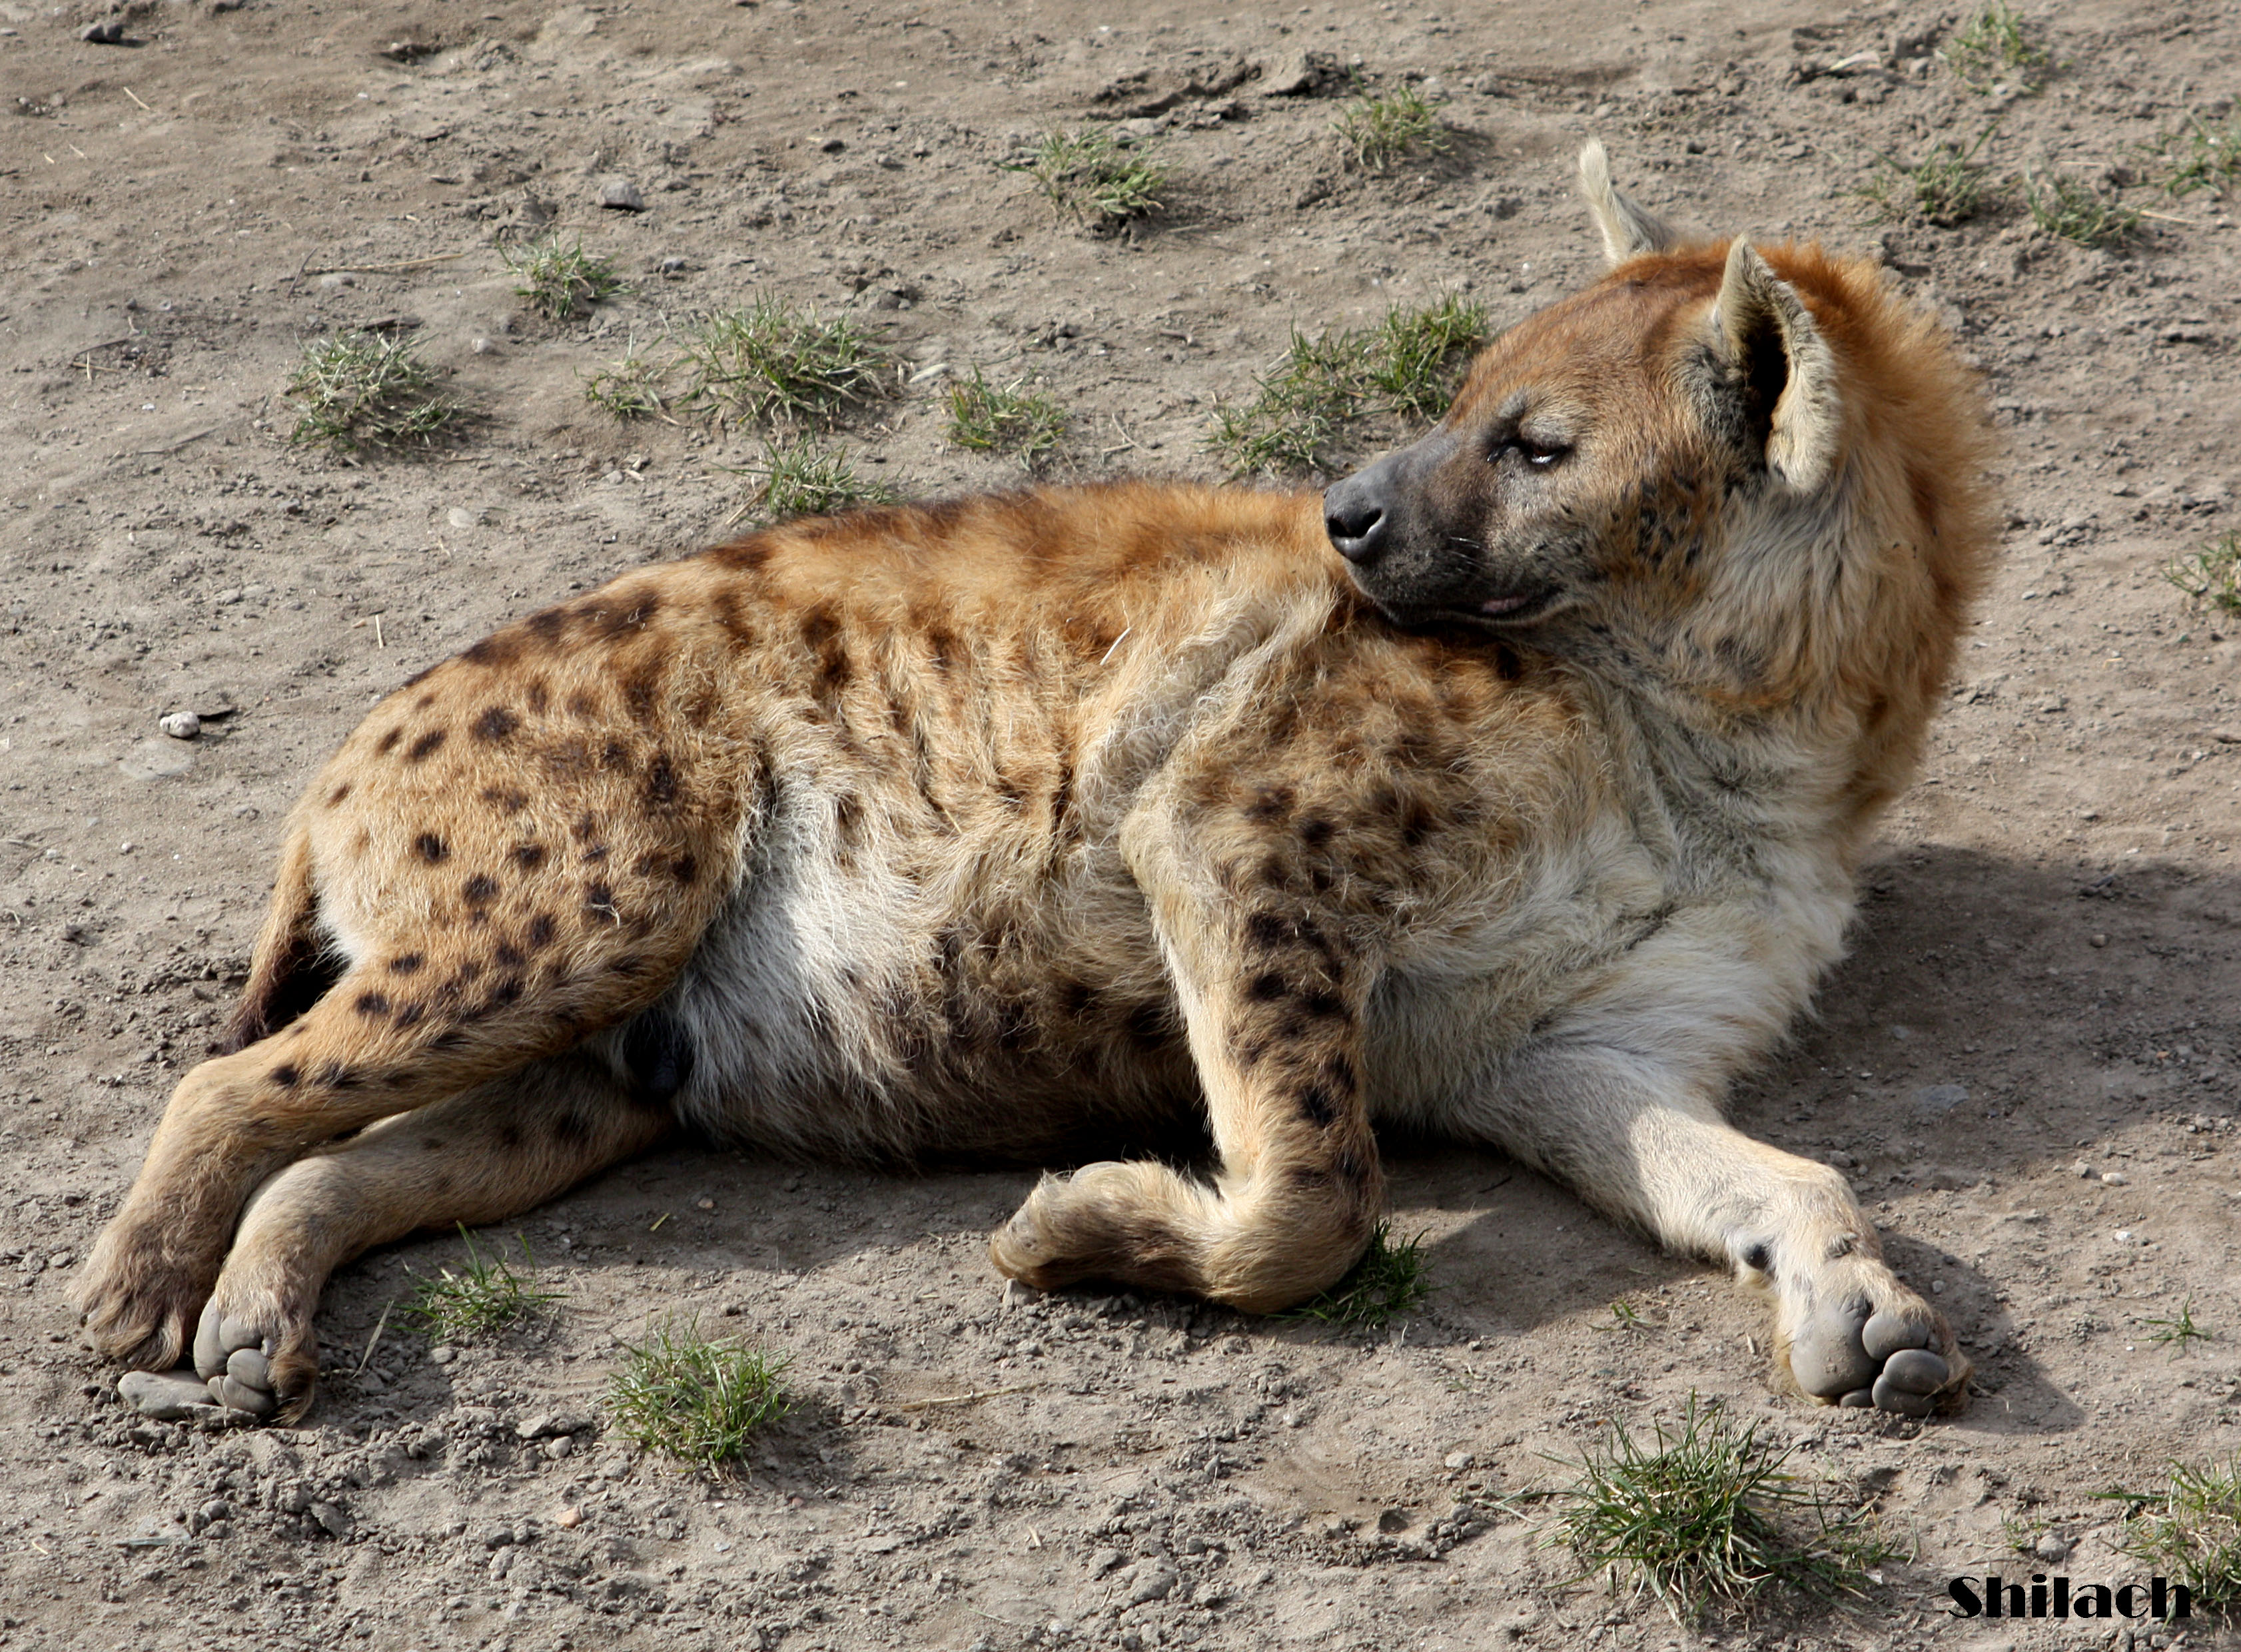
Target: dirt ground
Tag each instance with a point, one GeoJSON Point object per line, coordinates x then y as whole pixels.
{"type": "Point", "coordinates": [2028, 1064]}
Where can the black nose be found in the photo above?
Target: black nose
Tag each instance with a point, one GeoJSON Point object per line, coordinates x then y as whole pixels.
{"type": "Point", "coordinates": [1357, 515]}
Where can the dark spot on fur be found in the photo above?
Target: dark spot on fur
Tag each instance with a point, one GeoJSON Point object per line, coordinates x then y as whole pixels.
{"type": "Point", "coordinates": [570, 1129]}
{"type": "Point", "coordinates": [1315, 832]}
{"type": "Point", "coordinates": [546, 627]}
{"type": "Point", "coordinates": [1273, 803]}
{"type": "Point", "coordinates": [541, 930]}
{"type": "Point", "coordinates": [661, 787]}
{"type": "Point", "coordinates": [528, 856]}
{"type": "Point", "coordinates": [509, 956]}
{"type": "Point", "coordinates": [497, 723]}
{"type": "Point", "coordinates": [642, 692]}
{"type": "Point", "coordinates": [381, 746]}
{"type": "Point", "coordinates": [480, 889]}
{"type": "Point", "coordinates": [286, 1077]}
{"type": "Point", "coordinates": [1267, 988]}
{"type": "Point", "coordinates": [615, 755]}
{"type": "Point", "coordinates": [744, 555]}
{"type": "Point", "coordinates": [628, 964]}
{"type": "Point", "coordinates": [1759, 1258]}
{"type": "Point", "coordinates": [1843, 1244]}
{"type": "Point", "coordinates": [1267, 930]}
{"type": "Point", "coordinates": [533, 693]}
{"type": "Point", "coordinates": [1338, 1072]}
{"type": "Point", "coordinates": [418, 751]}
{"type": "Point", "coordinates": [372, 1004]}
{"type": "Point", "coordinates": [410, 1014]}
{"type": "Point", "coordinates": [509, 1136]}
{"type": "Point", "coordinates": [506, 798]}
{"type": "Point", "coordinates": [339, 794]}
{"type": "Point", "coordinates": [431, 848]}
{"type": "Point", "coordinates": [1146, 1025]}
{"type": "Point", "coordinates": [493, 651]}
{"type": "Point", "coordinates": [685, 869]}
{"type": "Point", "coordinates": [407, 963]}
{"type": "Point", "coordinates": [600, 903]}
{"type": "Point", "coordinates": [508, 991]}
{"type": "Point", "coordinates": [1317, 1105]}
{"type": "Point", "coordinates": [582, 704]}
{"type": "Point", "coordinates": [1322, 1004]}
{"type": "Point", "coordinates": [336, 1076]}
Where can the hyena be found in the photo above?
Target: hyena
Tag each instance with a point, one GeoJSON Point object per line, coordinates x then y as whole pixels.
{"type": "Point", "coordinates": [1510, 792]}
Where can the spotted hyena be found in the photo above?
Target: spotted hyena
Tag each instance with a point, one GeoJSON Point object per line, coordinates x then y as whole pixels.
{"type": "Point", "coordinates": [1512, 791]}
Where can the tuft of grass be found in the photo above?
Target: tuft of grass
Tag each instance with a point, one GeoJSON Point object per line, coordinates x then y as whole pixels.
{"type": "Point", "coordinates": [1945, 188]}
{"type": "Point", "coordinates": [1387, 1282]}
{"type": "Point", "coordinates": [362, 390]}
{"type": "Point", "coordinates": [1995, 46]}
{"type": "Point", "coordinates": [1003, 418]}
{"type": "Point", "coordinates": [1417, 356]}
{"type": "Point", "coordinates": [771, 361]}
{"type": "Point", "coordinates": [484, 1298]}
{"type": "Point", "coordinates": [1087, 176]}
{"type": "Point", "coordinates": [2078, 212]}
{"type": "Point", "coordinates": [628, 388]}
{"type": "Point", "coordinates": [2177, 1330]}
{"type": "Point", "coordinates": [2211, 576]}
{"type": "Point", "coordinates": [1376, 132]}
{"type": "Point", "coordinates": [559, 282]}
{"type": "Point", "coordinates": [805, 478]}
{"type": "Point", "coordinates": [696, 1398]}
{"type": "Point", "coordinates": [1709, 1513]}
{"type": "Point", "coordinates": [1324, 388]}
{"type": "Point", "coordinates": [2199, 155]}
{"type": "Point", "coordinates": [2189, 1531]}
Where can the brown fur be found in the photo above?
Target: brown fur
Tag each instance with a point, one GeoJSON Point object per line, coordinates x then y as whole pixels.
{"type": "Point", "coordinates": [986, 828]}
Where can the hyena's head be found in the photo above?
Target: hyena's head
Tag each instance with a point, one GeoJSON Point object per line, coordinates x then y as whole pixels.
{"type": "Point", "coordinates": [1754, 479]}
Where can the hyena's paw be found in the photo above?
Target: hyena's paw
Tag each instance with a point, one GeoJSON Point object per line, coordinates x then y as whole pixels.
{"type": "Point", "coordinates": [1106, 1221]}
{"type": "Point", "coordinates": [139, 1294]}
{"type": "Point", "coordinates": [1874, 1342]}
{"type": "Point", "coordinates": [257, 1350]}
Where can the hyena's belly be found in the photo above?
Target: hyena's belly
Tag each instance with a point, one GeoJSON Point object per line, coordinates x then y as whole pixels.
{"type": "Point", "coordinates": [846, 1013]}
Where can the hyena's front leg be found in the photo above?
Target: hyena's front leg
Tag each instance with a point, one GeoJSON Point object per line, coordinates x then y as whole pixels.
{"type": "Point", "coordinates": [1272, 994]}
{"type": "Point", "coordinates": [1653, 1150]}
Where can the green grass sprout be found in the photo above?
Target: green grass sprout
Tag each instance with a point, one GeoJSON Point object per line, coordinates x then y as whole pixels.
{"type": "Point", "coordinates": [1387, 1282]}
{"type": "Point", "coordinates": [560, 282]}
{"type": "Point", "coordinates": [363, 390]}
{"type": "Point", "coordinates": [1003, 418]}
{"type": "Point", "coordinates": [1708, 1514]}
{"type": "Point", "coordinates": [1376, 133]}
{"type": "Point", "coordinates": [696, 1398]}
{"type": "Point", "coordinates": [482, 1298]}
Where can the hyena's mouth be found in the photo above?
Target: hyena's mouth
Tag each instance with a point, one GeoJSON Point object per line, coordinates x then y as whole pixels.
{"type": "Point", "coordinates": [1520, 606]}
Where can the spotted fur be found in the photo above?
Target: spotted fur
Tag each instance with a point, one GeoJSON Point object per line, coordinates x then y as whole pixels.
{"type": "Point", "coordinates": [1007, 826]}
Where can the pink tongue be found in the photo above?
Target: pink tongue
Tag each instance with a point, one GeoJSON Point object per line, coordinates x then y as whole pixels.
{"type": "Point", "coordinates": [1502, 605]}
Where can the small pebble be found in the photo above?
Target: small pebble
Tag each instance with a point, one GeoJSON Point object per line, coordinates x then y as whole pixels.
{"type": "Point", "coordinates": [569, 1518]}
{"type": "Point", "coordinates": [180, 726]}
{"type": "Point", "coordinates": [1458, 1459]}
{"type": "Point", "coordinates": [832, 145]}
{"type": "Point", "coordinates": [110, 31]}
{"type": "Point", "coordinates": [620, 195]}
{"type": "Point", "coordinates": [2050, 1548]}
{"type": "Point", "coordinates": [2114, 1179]}
{"type": "Point", "coordinates": [444, 1354]}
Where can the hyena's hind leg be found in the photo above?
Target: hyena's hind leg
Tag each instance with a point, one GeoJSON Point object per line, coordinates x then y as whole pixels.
{"type": "Point", "coordinates": [501, 1148]}
{"type": "Point", "coordinates": [440, 998]}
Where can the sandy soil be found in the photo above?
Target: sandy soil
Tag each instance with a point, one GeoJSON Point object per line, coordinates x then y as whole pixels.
{"type": "Point", "coordinates": [2028, 1064]}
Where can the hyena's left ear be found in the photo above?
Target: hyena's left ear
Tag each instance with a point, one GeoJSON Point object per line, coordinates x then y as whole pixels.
{"type": "Point", "coordinates": [1774, 356]}
{"type": "Point", "coordinates": [1628, 230]}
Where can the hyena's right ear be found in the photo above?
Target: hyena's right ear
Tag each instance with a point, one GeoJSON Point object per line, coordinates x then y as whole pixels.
{"type": "Point", "coordinates": [1628, 230]}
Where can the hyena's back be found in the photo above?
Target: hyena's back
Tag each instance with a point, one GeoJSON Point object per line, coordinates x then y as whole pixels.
{"type": "Point", "coordinates": [813, 835]}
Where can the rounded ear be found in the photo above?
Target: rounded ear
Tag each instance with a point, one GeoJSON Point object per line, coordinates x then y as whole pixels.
{"type": "Point", "coordinates": [1776, 358]}
{"type": "Point", "coordinates": [1628, 230]}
